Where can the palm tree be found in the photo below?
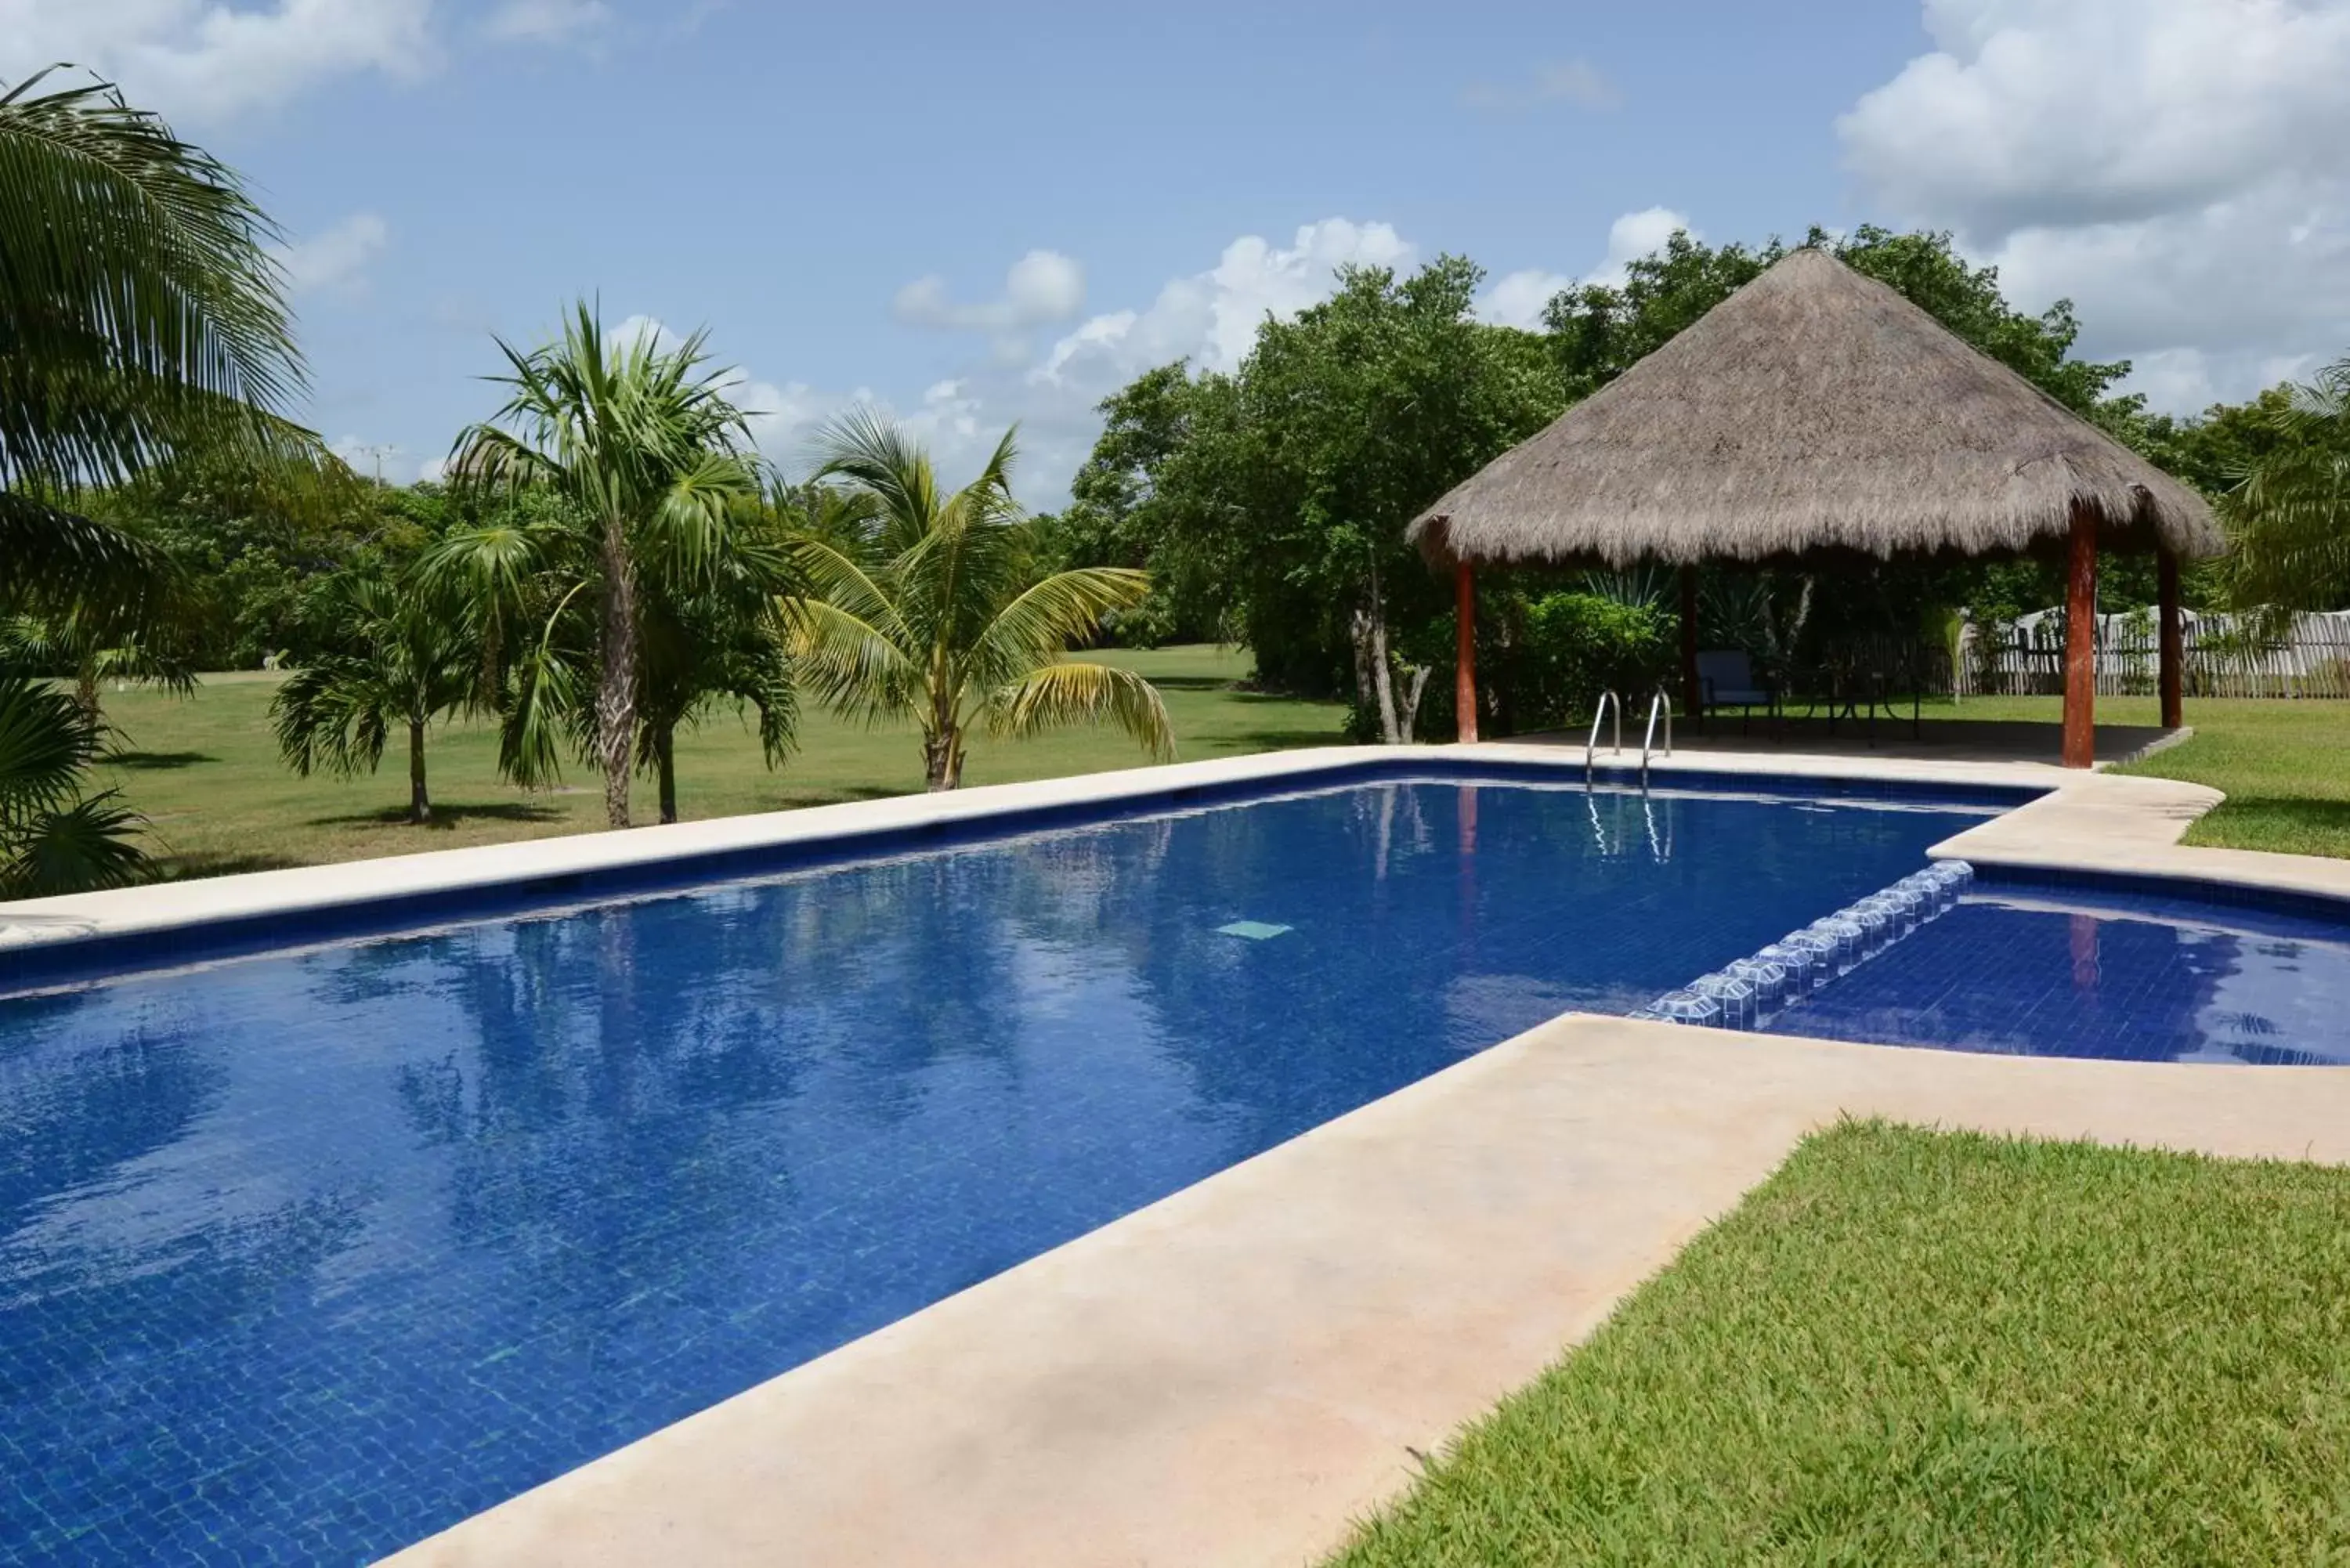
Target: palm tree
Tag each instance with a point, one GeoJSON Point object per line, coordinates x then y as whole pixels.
{"type": "Point", "coordinates": [406, 661]}
{"type": "Point", "coordinates": [2291, 515]}
{"type": "Point", "coordinates": [700, 641]}
{"type": "Point", "coordinates": [940, 612]}
{"type": "Point", "coordinates": [140, 315]}
{"type": "Point", "coordinates": [647, 457]}
{"type": "Point", "coordinates": [725, 642]}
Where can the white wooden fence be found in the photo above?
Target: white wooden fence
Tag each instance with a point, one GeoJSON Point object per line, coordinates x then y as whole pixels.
{"type": "Point", "coordinates": [2226, 656]}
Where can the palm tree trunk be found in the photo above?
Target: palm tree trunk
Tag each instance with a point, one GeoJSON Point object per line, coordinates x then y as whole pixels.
{"type": "Point", "coordinates": [942, 761]}
{"type": "Point", "coordinates": [86, 685]}
{"type": "Point", "coordinates": [665, 756]}
{"type": "Point", "coordinates": [616, 699]}
{"type": "Point", "coordinates": [420, 804]}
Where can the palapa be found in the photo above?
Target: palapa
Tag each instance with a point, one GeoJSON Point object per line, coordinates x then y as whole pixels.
{"type": "Point", "coordinates": [1814, 412]}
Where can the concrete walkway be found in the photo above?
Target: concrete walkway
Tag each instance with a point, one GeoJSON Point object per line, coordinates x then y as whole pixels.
{"type": "Point", "coordinates": [1235, 1374]}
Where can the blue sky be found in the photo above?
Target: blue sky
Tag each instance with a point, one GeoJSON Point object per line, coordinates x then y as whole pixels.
{"type": "Point", "coordinates": [846, 197]}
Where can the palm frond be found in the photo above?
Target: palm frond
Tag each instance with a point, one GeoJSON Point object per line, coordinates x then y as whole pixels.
{"type": "Point", "coordinates": [77, 848]}
{"type": "Point", "coordinates": [53, 560]}
{"type": "Point", "coordinates": [47, 741]}
{"type": "Point", "coordinates": [840, 580]}
{"type": "Point", "coordinates": [332, 715]}
{"type": "Point", "coordinates": [2289, 521]}
{"type": "Point", "coordinates": [52, 840]}
{"type": "Point", "coordinates": [690, 526]}
{"type": "Point", "coordinates": [880, 459]}
{"type": "Point", "coordinates": [1064, 609]}
{"type": "Point", "coordinates": [547, 712]}
{"type": "Point", "coordinates": [850, 664]}
{"type": "Point", "coordinates": [140, 308]}
{"type": "Point", "coordinates": [1079, 694]}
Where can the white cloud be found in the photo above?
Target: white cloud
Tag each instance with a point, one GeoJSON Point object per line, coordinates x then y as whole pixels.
{"type": "Point", "coordinates": [1211, 317]}
{"type": "Point", "coordinates": [335, 260]}
{"type": "Point", "coordinates": [544, 21]}
{"type": "Point", "coordinates": [1578, 82]}
{"type": "Point", "coordinates": [1042, 287]}
{"type": "Point", "coordinates": [1634, 235]}
{"type": "Point", "coordinates": [632, 328]}
{"type": "Point", "coordinates": [209, 61]}
{"type": "Point", "coordinates": [2181, 169]}
{"type": "Point", "coordinates": [1517, 299]}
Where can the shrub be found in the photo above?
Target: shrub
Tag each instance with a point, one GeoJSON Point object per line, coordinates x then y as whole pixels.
{"type": "Point", "coordinates": [1572, 645]}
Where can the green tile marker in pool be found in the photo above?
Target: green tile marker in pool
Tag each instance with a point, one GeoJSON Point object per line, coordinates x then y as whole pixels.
{"type": "Point", "coordinates": [1254, 930]}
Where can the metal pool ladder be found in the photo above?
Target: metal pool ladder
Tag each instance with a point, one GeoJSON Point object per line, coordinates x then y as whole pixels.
{"type": "Point", "coordinates": [1659, 704]}
{"type": "Point", "coordinates": [1607, 701]}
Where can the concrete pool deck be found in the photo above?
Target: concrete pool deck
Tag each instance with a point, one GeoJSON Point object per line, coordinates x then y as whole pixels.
{"type": "Point", "coordinates": [1235, 1373]}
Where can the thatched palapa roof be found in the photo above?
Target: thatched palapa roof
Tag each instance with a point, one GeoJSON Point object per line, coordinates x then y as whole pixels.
{"type": "Point", "coordinates": [1814, 411]}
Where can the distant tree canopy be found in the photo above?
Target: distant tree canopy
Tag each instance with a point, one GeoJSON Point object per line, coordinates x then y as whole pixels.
{"type": "Point", "coordinates": [1269, 502]}
{"type": "Point", "coordinates": [1597, 332]}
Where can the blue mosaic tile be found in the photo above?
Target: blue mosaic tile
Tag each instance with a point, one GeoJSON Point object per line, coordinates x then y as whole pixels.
{"type": "Point", "coordinates": [305, 1256]}
{"type": "Point", "coordinates": [2068, 970]}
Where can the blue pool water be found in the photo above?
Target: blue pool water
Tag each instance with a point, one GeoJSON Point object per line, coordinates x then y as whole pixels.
{"type": "Point", "coordinates": [2060, 972]}
{"type": "Point", "coordinates": [305, 1256]}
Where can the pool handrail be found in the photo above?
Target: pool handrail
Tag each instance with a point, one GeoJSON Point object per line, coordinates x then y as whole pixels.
{"type": "Point", "coordinates": [1660, 702]}
{"type": "Point", "coordinates": [1592, 745]}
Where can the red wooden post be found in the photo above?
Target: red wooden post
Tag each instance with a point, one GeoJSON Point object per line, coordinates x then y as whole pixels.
{"type": "Point", "coordinates": [1692, 691]}
{"type": "Point", "coordinates": [2081, 641]}
{"type": "Point", "coordinates": [1464, 658]}
{"type": "Point", "coordinates": [2174, 640]}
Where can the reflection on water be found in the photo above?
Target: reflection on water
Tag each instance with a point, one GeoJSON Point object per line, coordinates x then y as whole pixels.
{"type": "Point", "coordinates": [313, 1254]}
{"type": "Point", "coordinates": [2137, 979]}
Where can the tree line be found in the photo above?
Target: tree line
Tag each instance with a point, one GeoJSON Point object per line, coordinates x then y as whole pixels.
{"type": "Point", "coordinates": [1269, 503]}
{"type": "Point", "coordinates": [606, 558]}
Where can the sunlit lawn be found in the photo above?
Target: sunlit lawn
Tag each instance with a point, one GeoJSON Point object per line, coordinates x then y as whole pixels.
{"type": "Point", "coordinates": [1911, 1347]}
{"type": "Point", "coordinates": [2285, 765]}
{"type": "Point", "coordinates": [205, 773]}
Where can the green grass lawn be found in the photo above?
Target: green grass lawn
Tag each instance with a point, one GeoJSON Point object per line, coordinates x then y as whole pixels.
{"type": "Point", "coordinates": [1911, 1347]}
{"type": "Point", "coordinates": [2285, 765]}
{"type": "Point", "coordinates": [205, 773]}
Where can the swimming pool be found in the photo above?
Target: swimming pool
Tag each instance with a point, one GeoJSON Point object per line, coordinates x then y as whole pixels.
{"type": "Point", "coordinates": [309, 1254]}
